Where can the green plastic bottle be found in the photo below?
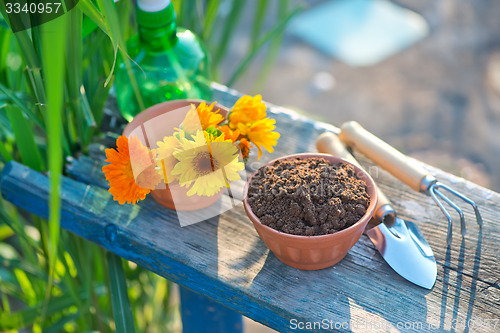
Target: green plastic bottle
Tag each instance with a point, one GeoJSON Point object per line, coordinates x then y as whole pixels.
{"type": "Point", "coordinates": [168, 62]}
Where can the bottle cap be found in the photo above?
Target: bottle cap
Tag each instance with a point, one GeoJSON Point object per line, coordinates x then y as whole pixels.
{"type": "Point", "coordinates": [154, 13]}
{"type": "Point", "coordinates": [152, 5]}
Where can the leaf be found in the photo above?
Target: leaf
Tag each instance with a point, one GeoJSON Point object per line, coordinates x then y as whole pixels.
{"type": "Point", "coordinates": [122, 311]}
{"type": "Point", "coordinates": [4, 152]}
{"type": "Point", "coordinates": [273, 52]}
{"type": "Point", "coordinates": [210, 16]}
{"type": "Point", "coordinates": [25, 139]}
{"type": "Point", "coordinates": [22, 106]}
{"type": "Point", "coordinates": [34, 271]}
{"type": "Point", "coordinates": [103, 21]}
{"type": "Point", "coordinates": [5, 232]}
{"type": "Point", "coordinates": [91, 11]}
{"type": "Point", "coordinates": [116, 35]}
{"type": "Point", "coordinates": [267, 37]}
{"type": "Point", "coordinates": [228, 30]}
{"type": "Point", "coordinates": [59, 326]}
{"type": "Point", "coordinates": [53, 55]}
{"type": "Point", "coordinates": [27, 316]}
{"type": "Point", "coordinates": [260, 14]}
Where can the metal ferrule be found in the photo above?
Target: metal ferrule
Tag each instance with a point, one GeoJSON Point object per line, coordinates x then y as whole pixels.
{"type": "Point", "coordinates": [426, 183]}
{"type": "Point", "coordinates": [386, 215]}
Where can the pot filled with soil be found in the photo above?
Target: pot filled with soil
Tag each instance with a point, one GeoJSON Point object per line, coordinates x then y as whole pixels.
{"type": "Point", "coordinates": [310, 209]}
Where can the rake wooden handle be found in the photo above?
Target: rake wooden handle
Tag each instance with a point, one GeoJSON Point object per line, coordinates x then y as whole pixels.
{"type": "Point", "coordinates": [330, 143]}
{"type": "Point", "coordinates": [398, 164]}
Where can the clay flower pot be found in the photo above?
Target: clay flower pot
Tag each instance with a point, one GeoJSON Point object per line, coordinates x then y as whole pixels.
{"type": "Point", "coordinates": [151, 126]}
{"type": "Point", "coordinates": [313, 252]}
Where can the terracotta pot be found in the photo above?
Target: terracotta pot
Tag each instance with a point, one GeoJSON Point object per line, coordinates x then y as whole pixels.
{"type": "Point", "coordinates": [161, 120]}
{"type": "Point", "coordinates": [313, 252]}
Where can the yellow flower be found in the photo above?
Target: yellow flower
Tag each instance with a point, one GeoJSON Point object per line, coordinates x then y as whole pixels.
{"type": "Point", "coordinates": [261, 134]}
{"type": "Point", "coordinates": [207, 164]}
{"type": "Point", "coordinates": [201, 117]}
{"type": "Point", "coordinates": [130, 157]}
{"type": "Point", "coordinates": [247, 110]}
{"type": "Point", "coordinates": [166, 159]}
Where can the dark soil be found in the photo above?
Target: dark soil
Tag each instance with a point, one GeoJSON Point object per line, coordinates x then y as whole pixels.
{"type": "Point", "coordinates": [308, 197]}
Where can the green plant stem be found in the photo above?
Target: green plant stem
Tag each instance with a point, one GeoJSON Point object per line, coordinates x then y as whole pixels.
{"type": "Point", "coordinates": [210, 18]}
{"type": "Point", "coordinates": [53, 52]}
{"type": "Point", "coordinates": [267, 37]}
{"type": "Point", "coordinates": [260, 14]}
{"type": "Point", "coordinates": [227, 34]}
{"type": "Point", "coordinates": [118, 286]}
{"type": "Point", "coordinates": [273, 52]}
{"type": "Point", "coordinates": [25, 139]}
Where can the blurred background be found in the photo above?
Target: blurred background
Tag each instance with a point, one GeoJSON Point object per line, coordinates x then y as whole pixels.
{"type": "Point", "coordinates": [423, 75]}
{"type": "Point", "coordinates": [437, 99]}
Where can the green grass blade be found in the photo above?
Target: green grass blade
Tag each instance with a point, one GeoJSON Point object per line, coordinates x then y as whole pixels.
{"type": "Point", "coordinates": [122, 311]}
{"type": "Point", "coordinates": [26, 286]}
{"type": "Point", "coordinates": [103, 20]}
{"type": "Point", "coordinates": [37, 87]}
{"type": "Point", "coordinates": [25, 266]}
{"type": "Point", "coordinates": [119, 43]}
{"type": "Point", "coordinates": [185, 14]}
{"type": "Point", "coordinates": [4, 151]}
{"type": "Point", "coordinates": [177, 6]}
{"type": "Point", "coordinates": [78, 100]}
{"type": "Point", "coordinates": [210, 16]}
{"type": "Point", "coordinates": [5, 37]}
{"type": "Point", "coordinates": [228, 30]}
{"type": "Point", "coordinates": [16, 222]}
{"type": "Point", "coordinates": [273, 51]}
{"type": "Point", "coordinates": [5, 19]}
{"type": "Point", "coordinates": [53, 54]}
{"type": "Point", "coordinates": [27, 316]}
{"type": "Point", "coordinates": [260, 15]}
{"type": "Point", "coordinates": [25, 139]}
{"type": "Point", "coordinates": [59, 326]}
{"type": "Point", "coordinates": [266, 38]}
{"type": "Point", "coordinates": [91, 11]}
{"type": "Point", "coordinates": [97, 67]}
{"type": "Point", "coordinates": [33, 62]}
{"type": "Point", "coordinates": [5, 232]}
{"type": "Point", "coordinates": [22, 105]}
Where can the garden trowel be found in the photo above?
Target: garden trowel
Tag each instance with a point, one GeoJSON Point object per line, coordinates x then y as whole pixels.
{"type": "Point", "coordinates": [400, 242]}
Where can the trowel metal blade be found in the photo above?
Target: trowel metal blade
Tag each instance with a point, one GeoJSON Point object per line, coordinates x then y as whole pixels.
{"type": "Point", "coordinates": [405, 249]}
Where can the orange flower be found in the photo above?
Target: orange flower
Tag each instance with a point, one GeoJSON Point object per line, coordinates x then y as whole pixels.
{"type": "Point", "coordinates": [229, 134]}
{"type": "Point", "coordinates": [244, 147]}
{"type": "Point", "coordinates": [261, 134]}
{"type": "Point", "coordinates": [201, 117]}
{"type": "Point", "coordinates": [247, 110]}
{"type": "Point", "coordinates": [130, 157]}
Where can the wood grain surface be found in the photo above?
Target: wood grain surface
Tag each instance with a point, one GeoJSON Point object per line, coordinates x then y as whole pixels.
{"type": "Point", "coordinates": [224, 258]}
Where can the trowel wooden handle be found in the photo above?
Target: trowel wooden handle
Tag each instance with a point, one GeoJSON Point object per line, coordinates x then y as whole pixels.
{"type": "Point", "coordinates": [330, 143]}
{"type": "Point", "coordinates": [399, 165]}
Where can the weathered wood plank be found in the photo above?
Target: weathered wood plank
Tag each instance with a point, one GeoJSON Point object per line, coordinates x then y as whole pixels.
{"type": "Point", "coordinates": [224, 258]}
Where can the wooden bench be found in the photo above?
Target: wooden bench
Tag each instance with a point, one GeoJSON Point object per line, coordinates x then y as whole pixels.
{"type": "Point", "coordinates": [224, 259]}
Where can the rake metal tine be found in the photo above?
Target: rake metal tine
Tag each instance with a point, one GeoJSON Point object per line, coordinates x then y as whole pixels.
{"type": "Point", "coordinates": [445, 212]}
{"type": "Point", "coordinates": [464, 198]}
{"type": "Point", "coordinates": [452, 204]}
